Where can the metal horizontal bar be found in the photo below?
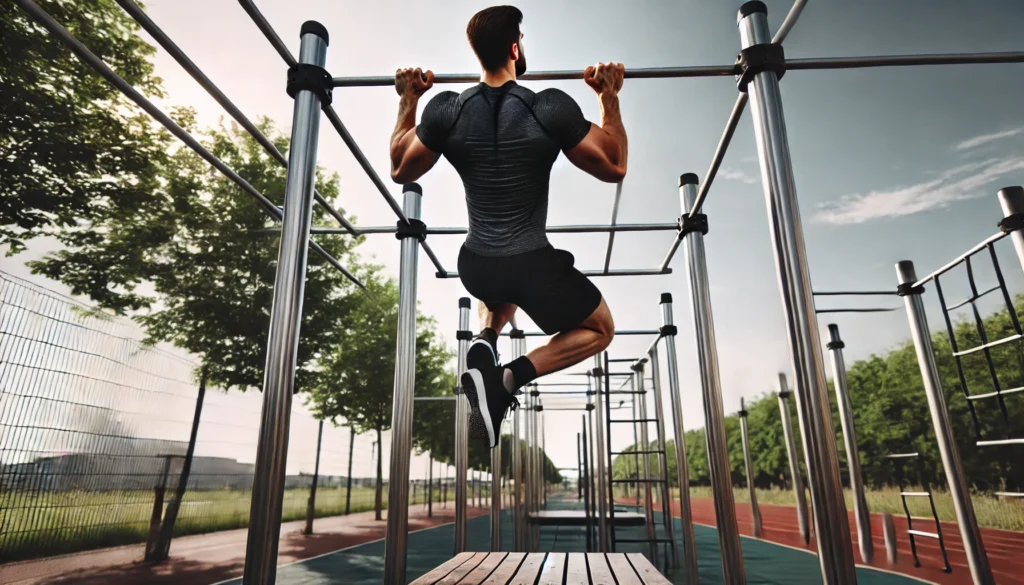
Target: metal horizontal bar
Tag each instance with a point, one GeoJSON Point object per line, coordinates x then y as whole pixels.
{"type": "Point", "coordinates": [268, 31]}
{"type": "Point", "coordinates": [542, 384]}
{"type": "Point", "coordinates": [1000, 442]}
{"type": "Point", "coordinates": [901, 456]}
{"type": "Point", "coordinates": [955, 262]}
{"type": "Point", "coordinates": [923, 533]}
{"type": "Point", "coordinates": [988, 345]}
{"type": "Point", "coordinates": [433, 257]}
{"type": "Point", "coordinates": [626, 392]}
{"type": "Point", "coordinates": [716, 162]}
{"type": "Point", "coordinates": [636, 452]}
{"type": "Point", "coordinates": [98, 65]}
{"type": "Point", "coordinates": [554, 229]}
{"type": "Point", "coordinates": [436, 398]}
{"type": "Point", "coordinates": [550, 392]}
{"type": "Point", "coordinates": [1009, 494]}
{"type": "Point", "coordinates": [642, 540]}
{"type": "Point", "coordinates": [639, 420]}
{"type": "Point", "coordinates": [636, 272]}
{"type": "Point", "coordinates": [621, 360]}
{"type": "Point", "coordinates": [851, 293]}
{"type": "Point", "coordinates": [636, 73]}
{"type": "Point", "coordinates": [197, 74]}
{"type": "Point", "coordinates": [872, 310]}
{"type": "Point", "coordinates": [972, 299]}
{"type": "Point", "coordinates": [994, 394]}
{"type": "Point", "coordinates": [916, 494]}
{"type": "Point", "coordinates": [652, 480]}
{"type": "Point", "coordinates": [566, 408]}
{"type": "Point", "coordinates": [904, 60]}
{"type": "Point", "coordinates": [617, 332]}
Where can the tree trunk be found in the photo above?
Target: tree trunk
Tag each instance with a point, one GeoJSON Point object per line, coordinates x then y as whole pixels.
{"type": "Point", "coordinates": [378, 502]}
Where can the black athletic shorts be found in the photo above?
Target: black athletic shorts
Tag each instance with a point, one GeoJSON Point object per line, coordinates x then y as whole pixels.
{"type": "Point", "coordinates": [542, 282]}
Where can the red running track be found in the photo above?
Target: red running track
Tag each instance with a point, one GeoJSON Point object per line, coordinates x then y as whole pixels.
{"type": "Point", "coordinates": [1005, 548]}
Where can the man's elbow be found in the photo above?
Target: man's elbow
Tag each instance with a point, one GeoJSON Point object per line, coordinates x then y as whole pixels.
{"type": "Point", "coordinates": [616, 173]}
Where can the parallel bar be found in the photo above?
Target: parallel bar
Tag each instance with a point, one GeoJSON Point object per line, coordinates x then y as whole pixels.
{"type": "Point", "coordinates": [283, 340]}
{"type": "Point", "coordinates": [98, 65]}
{"type": "Point", "coordinates": [637, 73]}
{"type": "Point", "coordinates": [1000, 442]}
{"type": "Point", "coordinates": [994, 394]}
{"type": "Point", "coordinates": [923, 533]}
{"type": "Point", "coordinates": [625, 272]}
{"type": "Point", "coordinates": [611, 234]}
{"type": "Point", "coordinates": [720, 470]}
{"type": "Point", "coordinates": [1014, 337]}
{"type": "Point", "coordinates": [192, 69]}
{"type": "Point", "coordinates": [970, 533]}
{"type": "Point", "coordinates": [956, 261]}
{"type": "Point", "coordinates": [832, 527]}
{"type": "Point", "coordinates": [860, 504]}
{"type": "Point", "coordinates": [915, 494]}
{"type": "Point", "coordinates": [617, 333]}
{"type": "Point", "coordinates": [904, 60]}
{"type": "Point", "coordinates": [462, 408]}
{"type": "Point", "coordinates": [854, 293]}
{"type": "Point", "coordinates": [395, 543]}
{"type": "Point", "coordinates": [268, 31]}
{"type": "Point", "coordinates": [435, 398]}
{"type": "Point", "coordinates": [874, 310]}
{"type": "Point", "coordinates": [553, 229]}
{"type": "Point", "coordinates": [1009, 494]}
{"type": "Point", "coordinates": [901, 456]}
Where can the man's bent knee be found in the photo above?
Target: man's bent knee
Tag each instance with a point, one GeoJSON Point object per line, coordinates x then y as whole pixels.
{"type": "Point", "coordinates": [601, 322]}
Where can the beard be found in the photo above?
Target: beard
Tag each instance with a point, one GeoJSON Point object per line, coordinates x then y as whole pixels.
{"type": "Point", "coordinates": [521, 63]}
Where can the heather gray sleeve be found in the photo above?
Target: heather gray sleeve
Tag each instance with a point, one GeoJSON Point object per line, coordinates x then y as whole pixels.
{"type": "Point", "coordinates": [561, 117]}
{"type": "Point", "coordinates": [438, 118]}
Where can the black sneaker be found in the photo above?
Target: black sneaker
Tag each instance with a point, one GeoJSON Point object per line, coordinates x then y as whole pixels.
{"type": "Point", "coordinates": [485, 389]}
{"type": "Point", "coordinates": [481, 354]}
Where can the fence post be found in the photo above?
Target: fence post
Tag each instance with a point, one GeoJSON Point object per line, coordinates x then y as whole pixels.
{"type": "Point", "coordinates": [348, 480]}
{"type": "Point", "coordinates": [311, 504]}
{"type": "Point", "coordinates": [977, 560]}
{"type": "Point", "coordinates": [171, 517]}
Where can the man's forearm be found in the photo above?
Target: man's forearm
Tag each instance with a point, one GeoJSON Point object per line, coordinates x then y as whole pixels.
{"type": "Point", "coordinates": [406, 122]}
{"type": "Point", "coordinates": [611, 122]}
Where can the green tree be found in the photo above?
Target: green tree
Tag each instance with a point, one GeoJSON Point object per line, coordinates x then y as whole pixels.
{"type": "Point", "coordinates": [357, 384]}
{"type": "Point", "coordinates": [195, 262]}
{"type": "Point", "coordinates": [72, 149]}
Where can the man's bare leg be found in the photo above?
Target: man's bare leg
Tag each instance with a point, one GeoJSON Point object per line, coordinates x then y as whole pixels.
{"type": "Point", "coordinates": [497, 318]}
{"type": "Point", "coordinates": [572, 347]}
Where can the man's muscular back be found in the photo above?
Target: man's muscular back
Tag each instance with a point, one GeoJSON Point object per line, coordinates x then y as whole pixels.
{"type": "Point", "coordinates": [503, 142]}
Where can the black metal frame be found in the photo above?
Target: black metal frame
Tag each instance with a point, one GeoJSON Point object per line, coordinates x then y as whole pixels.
{"type": "Point", "coordinates": [898, 459]}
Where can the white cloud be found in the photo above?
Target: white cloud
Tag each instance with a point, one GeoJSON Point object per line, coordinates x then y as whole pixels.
{"type": "Point", "coordinates": [987, 138]}
{"type": "Point", "coordinates": [956, 184]}
{"type": "Point", "coordinates": [738, 175]}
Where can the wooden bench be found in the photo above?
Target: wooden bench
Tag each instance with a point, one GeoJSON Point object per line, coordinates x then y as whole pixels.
{"type": "Point", "coordinates": [579, 518]}
{"type": "Point", "coordinates": [505, 568]}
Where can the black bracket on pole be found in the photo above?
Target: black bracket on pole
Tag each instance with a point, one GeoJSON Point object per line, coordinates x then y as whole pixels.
{"type": "Point", "coordinates": [696, 223]}
{"type": "Point", "coordinates": [517, 334]}
{"type": "Point", "coordinates": [1012, 223]}
{"type": "Point", "coordinates": [908, 288]}
{"type": "Point", "coordinates": [757, 59]}
{"type": "Point", "coordinates": [304, 76]}
{"type": "Point", "coordinates": [463, 335]}
{"type": "Point", "coordinates": [414, 229]}
{"type": "Point", "coordinates": [835, 345]}
{"type": "Point", "coordinates": [669, 330]}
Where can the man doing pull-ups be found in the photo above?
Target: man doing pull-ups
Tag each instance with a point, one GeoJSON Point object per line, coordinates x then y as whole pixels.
{"type": "Point", "coordinates": [503, 139]}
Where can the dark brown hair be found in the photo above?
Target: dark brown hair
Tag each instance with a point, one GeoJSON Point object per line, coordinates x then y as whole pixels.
{"type": "Point", "coordinates": [491, 32]}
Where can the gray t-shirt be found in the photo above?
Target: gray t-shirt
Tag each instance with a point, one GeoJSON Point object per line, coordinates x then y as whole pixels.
{"type": "Point", "coordinates": [503, 141]}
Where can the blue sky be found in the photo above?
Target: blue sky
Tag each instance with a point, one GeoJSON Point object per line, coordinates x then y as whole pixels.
{"type": "Point", "coordinates": [890, 164]}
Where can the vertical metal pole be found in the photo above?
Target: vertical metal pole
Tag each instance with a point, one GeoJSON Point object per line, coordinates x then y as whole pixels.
{"type": "Point", "coordinates": [528, 472]}
{"type": "Point", "coordinates": [659, 413]}
{"type": "Point", "coordinates": [860, 503]}
{"type": "Point", "coordinates": [311, 503]}
{"type": "Point", "coordinates": [461, 434]}
{"type": "Point", "coordinates": [714, 411]}
{"type": "Point", "coordinates": [348, 480]}
{"type": "Point", "coordinates": [977, 560]}
{"type": "Point", "coordinates": [401, 413]}
{"type": "Point", "coordinates": [668, 332]}
{"type": "Point", "coordinates": [285, 320]}
{"type": "Point", "coordinates": [832, 526]}
{"type": "Point", "coordinates": [544, 459]}
{"type": "Point", "coordinates": [1011, 199]}
{"type": "Point", "coordinates": [587, 470]}
{"type": "Point", "coordinates": [495, 514]}
{"type": "Point", "coordinates": [748, 466]}
{"type": "Point", "coordinates": [579, 468]}
{"type": "Point", "coordinates": [601, 470]}
{"type": "Point", "coordinates": [430, 487]}
{"type": "Point", "coordinates": [794, 460]}
{"type": "Point", "coordinates": [171, 516]}
{"type": "Point", "coordinates": [517, 470]}
{"type": "Point", "coordinates": [645, 459]}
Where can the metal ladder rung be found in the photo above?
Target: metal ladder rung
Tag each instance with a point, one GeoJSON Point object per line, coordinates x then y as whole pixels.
{"type": "Point", "coordinates": [994, 394]}
{"type": "Point", "coordinates": [637, 452]}
{"type": "Point", "coordinates": [1009, 494]}
{"type": "Point", "coordinates": [923, 533]}
{"type": "Point", "coordinates": [919, 494]}
{"type": "Point", "coordinates": [902, 456]}
{"type": "Point", "coordinates": [638, 481]}
{"type": "Point", "coordinates": [972, 299]}
{"type": "Point", "coordinates": [1014, 337]}
{"type": "Point", "coordinates": [640, 540]}
{"type": "Point", "coordinates": [1000, 442]}
{"type": "Point", "coordinates": [639, 420]}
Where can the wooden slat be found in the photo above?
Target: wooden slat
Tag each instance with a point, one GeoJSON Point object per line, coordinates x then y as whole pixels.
{"type": "Point", "coordinates": [505, 570]}
{"type": "Point", "coordinates": [600, 574]}
{"type": "Point", "coordinates": [484, 569]}
{"type": "Point", "coordinates": [441, 571]}
{"type": "Point", "coordinates": [646, 571]}
{"type": "Point", "coordinates": [576, 569]}
{"type": "Point", "coordinates": [528, 571]}
{"type": "Point", "coordinates": [552, 570]}
{"type": "Point", "coordinates": [624, 572]}
{"type": "Point", "coordinates": [462, 570]}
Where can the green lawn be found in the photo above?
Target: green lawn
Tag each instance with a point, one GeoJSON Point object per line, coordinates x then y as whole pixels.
{"type": "Point", "coordinates": [1006, 513]}
{"type": "Point", "coordinates": [41, 525]}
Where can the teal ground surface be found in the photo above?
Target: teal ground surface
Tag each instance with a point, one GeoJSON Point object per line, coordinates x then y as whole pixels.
{"type": "Point", "coordinates": [766, 563]}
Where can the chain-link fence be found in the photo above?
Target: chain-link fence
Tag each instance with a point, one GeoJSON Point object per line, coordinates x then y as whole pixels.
{"type": "Point", "coordinates": [95, 428]}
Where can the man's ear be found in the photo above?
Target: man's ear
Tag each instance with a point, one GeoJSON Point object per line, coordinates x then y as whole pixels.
{"type": "Point", "coordinates": [513, 53]}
